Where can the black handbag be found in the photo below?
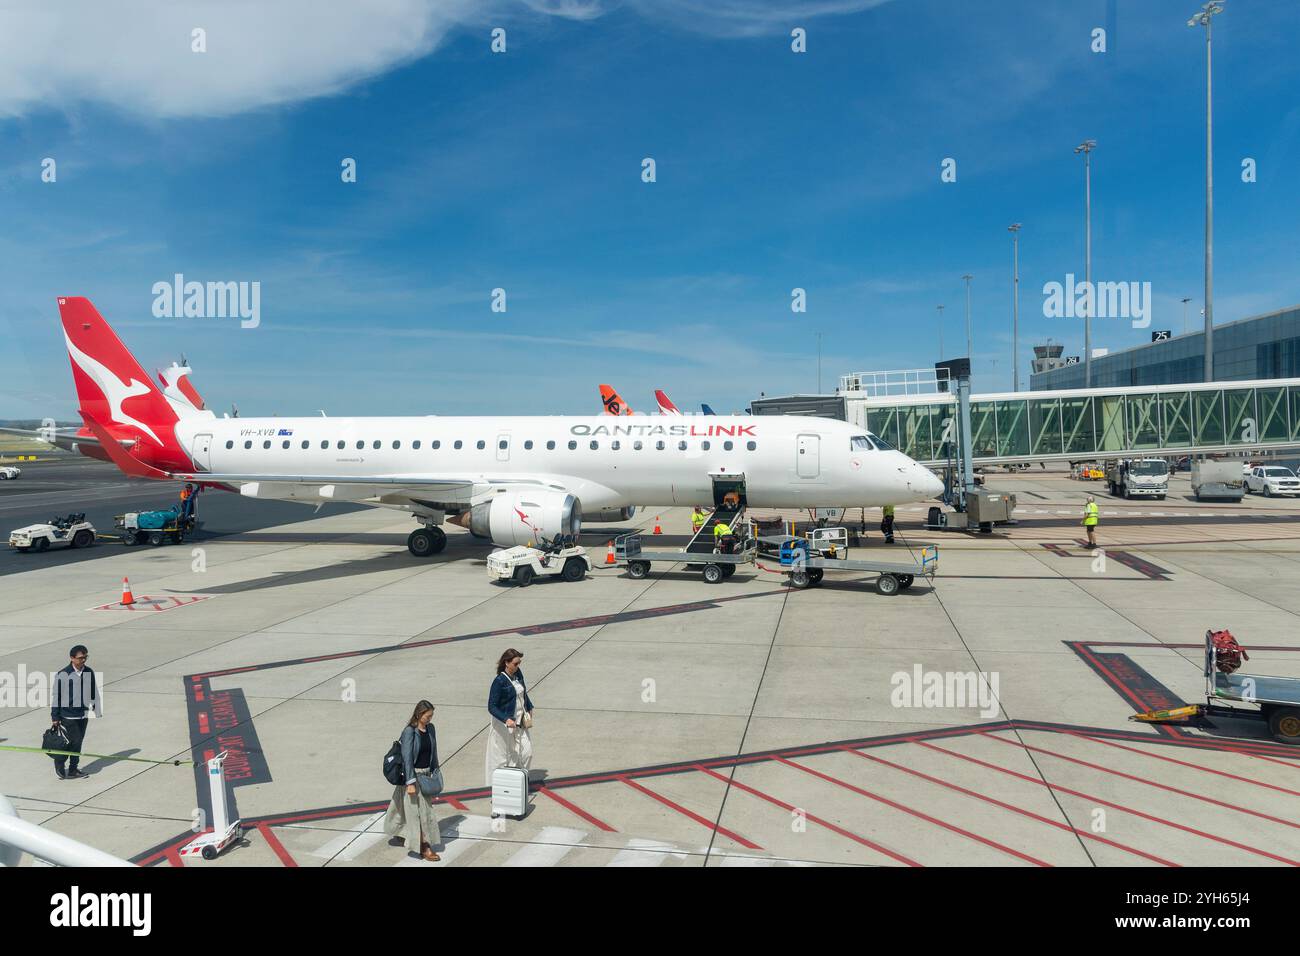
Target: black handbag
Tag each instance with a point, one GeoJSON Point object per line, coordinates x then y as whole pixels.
{"type": "Point", "coordinates": [54, 739]}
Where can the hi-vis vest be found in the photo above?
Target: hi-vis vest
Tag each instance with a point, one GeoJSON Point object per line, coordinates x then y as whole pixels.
{"type": "Point", "coordinates": [888, 511]}
{"type": "Point", "coordinates": [1090, 513]}
{"type": "Point", "coordinates": [720, 529]}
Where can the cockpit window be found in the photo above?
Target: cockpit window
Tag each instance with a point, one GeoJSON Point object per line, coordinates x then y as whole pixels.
{"type": "Point", "coordinates": [862, 443]}
{"type": "Point", "coordinates": [881, 443]}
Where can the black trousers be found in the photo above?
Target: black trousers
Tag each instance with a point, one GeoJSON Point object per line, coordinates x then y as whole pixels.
{"type": "Point", "coordinates": [76, 731]}
{"type": "Point", "coordinates": [887, 527]}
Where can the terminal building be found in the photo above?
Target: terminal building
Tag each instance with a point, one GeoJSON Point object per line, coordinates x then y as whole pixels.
{"type": "Point", "coordinates": [1260, 347]}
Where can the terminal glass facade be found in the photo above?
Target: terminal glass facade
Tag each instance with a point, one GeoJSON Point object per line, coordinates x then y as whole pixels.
{"type": "Point", "coordinates": [1041, 425]}
{"type": "Point", "coordinates": [1263, 347]}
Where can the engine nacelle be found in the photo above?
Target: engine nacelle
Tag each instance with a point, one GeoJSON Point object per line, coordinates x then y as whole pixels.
{"type": "Point", "coordinates": [612, 514]}
{"type": "Point", "coordinates": [523, 517]}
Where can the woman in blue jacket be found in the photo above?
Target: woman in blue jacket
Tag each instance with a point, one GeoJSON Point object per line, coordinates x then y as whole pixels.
{"type": "Point", "coordinates": [509, 744]}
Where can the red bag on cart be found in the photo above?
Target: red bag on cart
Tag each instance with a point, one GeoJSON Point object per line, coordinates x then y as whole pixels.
{"type": "Point", "coordinates": [1228, 654]}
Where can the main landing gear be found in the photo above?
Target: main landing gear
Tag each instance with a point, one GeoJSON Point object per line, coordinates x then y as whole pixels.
{"type": "Point", "coordinates": [426, 542]}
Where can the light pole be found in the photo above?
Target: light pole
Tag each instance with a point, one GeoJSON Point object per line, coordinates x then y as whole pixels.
{"type": "Point", "coordinates": [1086, 147]}
{"type": "Point", "coordinates": [1185, 301]}
{"type": "Point", "coordinates": [1015, 305]}
{"type": "Point", "coordinates": [968, 345]}
{"type": "Point", "coordinates": [1202, 19]}
{"type": "Point", "coordinates": [940, 333]}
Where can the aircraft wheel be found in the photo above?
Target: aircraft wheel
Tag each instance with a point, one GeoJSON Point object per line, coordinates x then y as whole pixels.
{"type": "Point", "coordinates": [905, 581]}
{"type": "Point", "coordinates": [524, 576]}
{"type": "Point", "coordinates": [638, 569]}
{"type": "Point", "coordinates": [421, 542]}
{"type": "Point", "coordinates": [1284, 725]}
{"type": "Point", "coordinates": [712, 573]}
{"type": "Point", "coordinates": [799, 579]}
{"type": "Point", "coordinates": [83, 539]}
{"type": "Point", "coordinates": [887, 585]}
{"type": "Point", "coordinates": [574, 570]}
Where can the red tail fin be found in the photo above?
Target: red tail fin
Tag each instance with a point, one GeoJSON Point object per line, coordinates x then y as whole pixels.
{"type": "Point", "coordinates": [114, 391]}
{"type": "Point", "coordinates": [666, 407]}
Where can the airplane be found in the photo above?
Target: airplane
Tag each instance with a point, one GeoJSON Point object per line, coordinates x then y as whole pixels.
{"type": "Point", "coordinates": [508, 479]}
{"type": "Point", "coordinates": [613, 402]}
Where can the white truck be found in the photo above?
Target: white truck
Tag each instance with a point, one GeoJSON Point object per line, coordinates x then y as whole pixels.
{"type": "Point", "coordinates": [1217, 479]}
{"type": "Point", "coordinates": [1270, 480]}
{"type": "Point", "coordinates": [1138, 478]}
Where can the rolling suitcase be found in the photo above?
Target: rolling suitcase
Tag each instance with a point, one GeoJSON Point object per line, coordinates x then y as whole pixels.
{"type": "Point", "coordinates": [509, 791]}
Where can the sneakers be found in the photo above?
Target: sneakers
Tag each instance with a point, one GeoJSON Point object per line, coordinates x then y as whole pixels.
{"type": "Point", "coordinates": [59, 772]}
{"type": "Point", "coordinates": [75, 774]}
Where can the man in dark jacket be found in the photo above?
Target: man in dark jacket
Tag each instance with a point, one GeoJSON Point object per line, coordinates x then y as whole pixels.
{"type": "Point", "coordinates": [74, 694]}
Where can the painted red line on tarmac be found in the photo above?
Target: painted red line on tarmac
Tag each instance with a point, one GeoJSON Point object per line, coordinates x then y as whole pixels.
{"type": "Point", "coordinates": [1108, 803]}
{"type": "Point", "coordinates": [1184, 763]}
{"type": "Point", "coordinates": [173, 856]}
{"type": "Point", "coordinates": [274, 843]}
{"type": "Point", "coordinates": [1143, 780]}
{"type": "Point", "coordinates": [1014, 809]}
{"type": "Point", "coordinates": [203, 722]}
{"type": "Point", "coordinates": [692, 814]}
{"type": "Point", "coordinates": [1118, 684]}
{"type": "Point", "coordinates": [917, 813]}
{"type": "Point", "coordinates": [815, 819]}
{"type": "Point", "coordinates": [453, 802]}
{"type": "Point", "coordinates": [576, 810]}
{"type": "Point", "coordinates": [1285, 763]}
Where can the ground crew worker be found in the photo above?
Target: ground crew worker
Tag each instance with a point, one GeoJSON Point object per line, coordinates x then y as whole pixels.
{"type": "Point", "coordinates": [887, 524]}
{"type": "Point", "coordinates": [720, 531]}
{"type": "Point", "coordinates": [698, 517]}
{"type": "Point", "coordinates": [1090, 521]}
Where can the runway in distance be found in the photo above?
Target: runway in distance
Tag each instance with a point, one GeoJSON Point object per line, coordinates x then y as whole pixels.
{"type": "Point", "coordinates": [510, 479]}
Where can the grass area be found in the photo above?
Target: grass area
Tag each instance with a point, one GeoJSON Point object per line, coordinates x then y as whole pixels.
{"type": "Point", "coordinates": [11, 445]}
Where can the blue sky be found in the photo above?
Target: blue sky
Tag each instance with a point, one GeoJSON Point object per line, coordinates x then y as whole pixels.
{"type": "Point", "coordinates": [522, 171]}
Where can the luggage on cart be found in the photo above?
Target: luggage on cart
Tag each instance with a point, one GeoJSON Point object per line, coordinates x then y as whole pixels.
{"type": "Point", "coordinates": [1228, 654]}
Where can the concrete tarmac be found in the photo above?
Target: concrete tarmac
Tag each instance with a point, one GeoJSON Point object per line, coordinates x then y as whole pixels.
{"type": "Point", "coordinates": [680, 723]}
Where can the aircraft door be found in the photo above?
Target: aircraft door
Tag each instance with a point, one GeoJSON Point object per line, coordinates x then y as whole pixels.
{"type": "Point", "coordinates": [808, 456]}
{"type": "Point", "coordinates": [202, 452]}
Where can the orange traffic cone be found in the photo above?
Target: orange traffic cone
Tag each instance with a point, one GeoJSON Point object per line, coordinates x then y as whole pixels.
{"type": "Point", "coordinates": [127, 597]}
{"type": "Point", "coordinates": [609, 555]}
{"type": "Point", "coordinates": [658, 530]}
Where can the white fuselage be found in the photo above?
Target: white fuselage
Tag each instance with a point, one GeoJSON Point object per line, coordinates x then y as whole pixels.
{"type": "Point", "coordinates": [644, 460]}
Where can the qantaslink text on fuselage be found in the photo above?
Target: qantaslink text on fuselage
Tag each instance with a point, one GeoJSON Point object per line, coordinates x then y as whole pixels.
{"type": "Point", "coordinates": [685, 431]}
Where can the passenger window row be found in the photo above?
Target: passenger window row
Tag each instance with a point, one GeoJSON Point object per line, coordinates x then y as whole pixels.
{"type": "Point", "coordinates": [502, 444]}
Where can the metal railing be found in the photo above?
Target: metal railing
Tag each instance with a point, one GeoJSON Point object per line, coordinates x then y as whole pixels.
{"type": "Point", "coordinates": [19, 836]}
{"type": "Point", "coordinates": [911, 381]}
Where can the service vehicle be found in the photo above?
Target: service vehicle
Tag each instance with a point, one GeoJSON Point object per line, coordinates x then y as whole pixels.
{"type": "Point", "coordinates": [1275, 700]}
{"type": "Point", "coordinates": [154, 527]}
{"type": "Point", "coordinates": [806, 560]}
{"type": "Point", "coordinates": [1270, 480]}
{"type": "Point", "coordinates": [9, 472]}
{"type": "Point", "coordinates": [72, 531]}
{"type": "Point", "coordinates": [1138, 478]}
{"type": "Point", "coordinates": [1217, 479]}
{"type": "Point", "coordinates": [522, 564]}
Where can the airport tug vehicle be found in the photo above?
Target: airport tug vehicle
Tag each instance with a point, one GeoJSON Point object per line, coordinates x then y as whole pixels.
{"type": "Point", "coordinates": [523, 564]}
{"type": "Point", "coordinates": [9, 472]}
{"type": "Point", "coordinates": [806, 560]}
{"type": "Point", "coordinates": [72, 531]}
{"type": "Point", "coordinates": [1277, 699]}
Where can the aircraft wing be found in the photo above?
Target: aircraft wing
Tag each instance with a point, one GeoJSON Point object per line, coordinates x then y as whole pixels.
{"type": "Point", "coordinates": [63, 438]}
{"type": "Point", "coordinates": [389, 488]}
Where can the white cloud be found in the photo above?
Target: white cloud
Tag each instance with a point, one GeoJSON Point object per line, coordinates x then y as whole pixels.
{"type": "Point", "coordinates": [137, 55]}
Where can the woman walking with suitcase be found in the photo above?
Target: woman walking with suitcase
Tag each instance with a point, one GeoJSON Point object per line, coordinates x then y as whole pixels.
{"type": "Point", "coordinates": [509, 744]}
{"type": "Point", "coordinates": [411, 809]}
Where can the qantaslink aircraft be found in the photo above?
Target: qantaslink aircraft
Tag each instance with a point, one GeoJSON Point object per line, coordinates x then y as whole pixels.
{"type": "Point", "coordinates": [509, 479]}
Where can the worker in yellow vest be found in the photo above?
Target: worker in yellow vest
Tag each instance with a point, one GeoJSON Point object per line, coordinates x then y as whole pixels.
{"type": "Point", "coordinates": [720, 530]}
{"type": "Point", "coordinates": [1090, 515]}
{"type": "Point", "coordinates": [887, 524]}
{"type": "Point", "coordinates": [698, 517]}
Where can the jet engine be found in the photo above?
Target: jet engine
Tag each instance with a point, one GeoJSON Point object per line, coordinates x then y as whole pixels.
{"type": "Point", "coordinates": [612, 514]}
{"type": "Point", "coordinates": [523, 517]}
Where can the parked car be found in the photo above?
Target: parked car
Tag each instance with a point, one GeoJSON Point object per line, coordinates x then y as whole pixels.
{"type": "Point", "coordinates": [1270, 480]}
{"type": "Point", "coordinates": [9, 472]}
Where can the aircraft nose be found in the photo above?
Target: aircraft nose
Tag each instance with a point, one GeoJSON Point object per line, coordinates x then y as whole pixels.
{"type": "Point", "coordinates": [924, 483]}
